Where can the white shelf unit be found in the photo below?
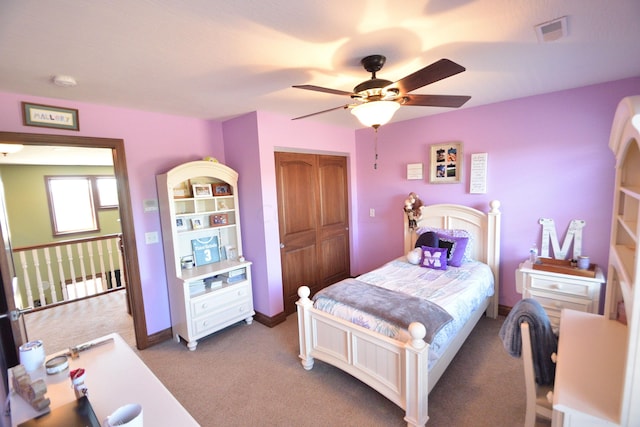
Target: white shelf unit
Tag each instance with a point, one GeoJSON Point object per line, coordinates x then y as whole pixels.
{"type": "Point", "coordinates": [598, 366]}
{"type": "Point", "coordinates": [215, 292]}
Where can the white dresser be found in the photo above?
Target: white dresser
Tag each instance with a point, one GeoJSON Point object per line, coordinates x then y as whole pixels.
{"type": "Point", "coordinates": [555, 291]}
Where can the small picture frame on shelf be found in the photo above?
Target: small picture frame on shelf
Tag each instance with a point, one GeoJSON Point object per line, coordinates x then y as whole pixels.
{"type": "Point", "coordinates": [201, 190]}
{"type": "Point", "coordinates": [182, 191]}
{"type": "Point", "coordinates": [196, 223]}
{"type": "Point", "coordinates": [181, 224]}
{"type": "Point", "coordinates": [221, 189]}
{"type": "Point", "coordinates": [218, 220]}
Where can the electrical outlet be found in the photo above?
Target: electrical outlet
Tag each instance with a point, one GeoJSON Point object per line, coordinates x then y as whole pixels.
{"type": "Point", "coordinates": [372, 212]}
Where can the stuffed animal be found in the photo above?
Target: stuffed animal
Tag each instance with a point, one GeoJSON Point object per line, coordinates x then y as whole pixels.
{"type": "Point", "coordinates": [412, 205]}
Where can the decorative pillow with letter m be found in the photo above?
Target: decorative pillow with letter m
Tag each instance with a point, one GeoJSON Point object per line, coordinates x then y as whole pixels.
{"type": "Point", "coordinates": [435, 258]}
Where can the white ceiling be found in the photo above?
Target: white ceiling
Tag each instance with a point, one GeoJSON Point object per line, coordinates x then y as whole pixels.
{"type": "Point", "coordinates": [50, 155]}
{"type": "Point", "coordinates": [216, 59]}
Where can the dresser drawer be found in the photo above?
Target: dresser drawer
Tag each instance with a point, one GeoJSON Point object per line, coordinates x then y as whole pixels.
{"type": "Point", "coordinates": [220, 299]}
{"type": "Point", "coordinates": [227, 316]}
{"type": "Point", "coordinates": [569, 287]}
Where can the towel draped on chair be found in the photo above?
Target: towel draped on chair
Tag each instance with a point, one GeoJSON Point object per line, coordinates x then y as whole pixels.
{"type": "Point", "coordinates": [543, 341]}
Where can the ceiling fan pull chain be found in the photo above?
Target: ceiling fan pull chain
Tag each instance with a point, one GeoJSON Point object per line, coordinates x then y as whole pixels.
{"type": "Point", "coordinates": [375, 162]}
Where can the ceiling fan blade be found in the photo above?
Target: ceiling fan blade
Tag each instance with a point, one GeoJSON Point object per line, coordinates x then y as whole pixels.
{"type": "Point", "coordinates": [323, 89]}
{"type": "Point", "coordinates": [323, 111]}
{"type": "Point", "coordinates": [430, 74]}
{"type": "Point", "coordinates": [452, 101]}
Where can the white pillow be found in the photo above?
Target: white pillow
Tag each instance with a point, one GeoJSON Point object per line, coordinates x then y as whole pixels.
{"type": "Point", "coordinates": [414, 256]}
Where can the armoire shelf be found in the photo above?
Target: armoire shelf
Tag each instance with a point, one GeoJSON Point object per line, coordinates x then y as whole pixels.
{"type": "Point", "coordinates": [209, 280]}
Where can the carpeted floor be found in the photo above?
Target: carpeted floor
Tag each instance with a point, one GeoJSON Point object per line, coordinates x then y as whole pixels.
{"type": "Point", "coordinates": [249, 375]}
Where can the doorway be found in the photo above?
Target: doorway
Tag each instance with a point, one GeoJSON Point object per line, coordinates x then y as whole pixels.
{"type": "Point", "coordinates": [313, 211]}
{"type": "Point", "coordinates": [134, 290]}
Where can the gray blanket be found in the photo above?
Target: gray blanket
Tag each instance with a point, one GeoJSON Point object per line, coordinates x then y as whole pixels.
{"type": "Point", "coordinates": [543, 340]}
{"type": "Point", "coordinates": [395, 307]}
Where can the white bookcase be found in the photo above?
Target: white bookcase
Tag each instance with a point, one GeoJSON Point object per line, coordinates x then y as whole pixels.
{"type": "Point", "coordinates": [208, 278]}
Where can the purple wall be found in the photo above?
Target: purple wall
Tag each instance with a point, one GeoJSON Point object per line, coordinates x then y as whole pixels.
{"type": "Point", "coordinates": [548, 157]}
{"type": "Point", "coordinates": [250, 142]}
{"type": "Point", "coordinates": [153, 143]}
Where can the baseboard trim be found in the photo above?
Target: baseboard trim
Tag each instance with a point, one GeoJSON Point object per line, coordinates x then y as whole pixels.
{"type": "Point", "coordinates": [158, 337]}
{"type": "Point", "coordinates": [504, 310]}
{"type": "Point", "coordinates": [270, 321]}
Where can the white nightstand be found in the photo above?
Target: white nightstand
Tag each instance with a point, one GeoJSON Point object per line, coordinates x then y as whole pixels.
{"type": "Point", "coordinates": [555, 291]}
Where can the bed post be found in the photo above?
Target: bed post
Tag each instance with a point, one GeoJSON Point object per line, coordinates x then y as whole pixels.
{"type": "Point", "coordinates": [304, 326]}
{"type": "Point", "coordinates": [416, 378]}
{"type": "Point", "coordinates": [493, 254]}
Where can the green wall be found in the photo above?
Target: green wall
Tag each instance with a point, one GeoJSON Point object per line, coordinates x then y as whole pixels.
{"type": "Point", "coordinates": [28, 209]}
{"type": "Point", "coordinates": [30, 221]}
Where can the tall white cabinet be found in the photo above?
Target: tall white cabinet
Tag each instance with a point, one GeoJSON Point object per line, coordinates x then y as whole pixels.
{"type": "Point", "coordinates": [598, 365]}
{"type": "Point", "coordinates": [208, 278]}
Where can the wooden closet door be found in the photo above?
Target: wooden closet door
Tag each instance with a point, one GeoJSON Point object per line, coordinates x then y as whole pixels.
{"type": "Point", "coordinates": [313, 222]}
{"type": "Point", "coordinates": [333, 219]}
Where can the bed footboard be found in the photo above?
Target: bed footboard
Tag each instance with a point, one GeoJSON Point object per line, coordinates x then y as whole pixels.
{"type": "Point", "coordinates": [396, 370]}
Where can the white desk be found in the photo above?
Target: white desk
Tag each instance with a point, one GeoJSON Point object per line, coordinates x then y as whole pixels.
{"type": "Point", "coordinates": [115, 376]}
{"type": "Point", "coordinates": [590, 369]}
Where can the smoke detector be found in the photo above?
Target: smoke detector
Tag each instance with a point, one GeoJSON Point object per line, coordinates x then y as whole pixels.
{"type": "Point", "coordinates": [552, 30]}
{"type": "Point", "coordinates": [64, 81]}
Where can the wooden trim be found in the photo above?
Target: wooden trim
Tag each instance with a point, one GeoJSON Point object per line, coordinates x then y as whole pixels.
{"type": "Point", "coordinates": [270, 321]}
{"type": "Point", "coordinates": [504, 310]}
{"type": "Point", "coordinates": [68, 242]}
{"type": "Point", "coordinates": [130, 251]}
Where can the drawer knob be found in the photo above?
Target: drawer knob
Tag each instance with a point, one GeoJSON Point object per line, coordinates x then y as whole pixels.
{"type": "Point", "coordinates": [205, 305]}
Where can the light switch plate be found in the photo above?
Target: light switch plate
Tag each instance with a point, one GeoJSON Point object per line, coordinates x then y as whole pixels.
{"type": "Point", "coordinates": [151, 237]}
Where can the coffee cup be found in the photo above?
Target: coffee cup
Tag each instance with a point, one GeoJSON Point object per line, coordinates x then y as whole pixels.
{"type": "Point", "coordinates": [129, 415]}
{"type": "Point", "coordinates": [583, 262]}
{"type": "Point", "coordinates": [32, 355]}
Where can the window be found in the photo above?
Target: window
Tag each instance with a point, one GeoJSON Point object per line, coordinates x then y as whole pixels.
{"type": "Point", "coordinates": [107, 192]}
{"type": "Point", "coordinates": [71, 205]}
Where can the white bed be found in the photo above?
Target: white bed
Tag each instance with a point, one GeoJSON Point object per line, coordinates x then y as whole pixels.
{"type": "Point", "coordinates": [401, 368]}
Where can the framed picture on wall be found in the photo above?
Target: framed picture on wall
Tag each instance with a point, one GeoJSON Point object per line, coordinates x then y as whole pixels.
{"type": "Point", "coordinates": [446, 163]}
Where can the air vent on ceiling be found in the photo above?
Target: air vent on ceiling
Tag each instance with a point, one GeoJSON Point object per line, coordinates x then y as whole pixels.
{"type": "Point", "coordinates": [552, 30]}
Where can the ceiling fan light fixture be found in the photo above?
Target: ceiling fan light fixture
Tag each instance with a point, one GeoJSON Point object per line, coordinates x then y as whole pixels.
{"type": "Point", "coordinates": [10, 148]}
{"type": "Point", "coordinates": [375, 113]}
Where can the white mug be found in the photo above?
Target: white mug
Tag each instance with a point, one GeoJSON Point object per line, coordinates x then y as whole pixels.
{"type": "Point", "coordinates": [128, 415]}
{"type": "Point", "coordinates": [32, 355]}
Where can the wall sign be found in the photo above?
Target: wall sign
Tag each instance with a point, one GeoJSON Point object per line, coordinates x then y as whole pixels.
{"type": "Point", "coordinates": [478, 178]}
{"type": "Point", "coordinates": [414, 171]}
{"type": "Point", "coordinates": [48, 116]}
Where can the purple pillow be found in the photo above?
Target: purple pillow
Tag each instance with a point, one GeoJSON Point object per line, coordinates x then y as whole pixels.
{"type": "Point", "coordinates": [435, 258]}
{"type": "Point", "coordinates": [429, 238]}
{"type": "Point", "coordinates": [455, 246]}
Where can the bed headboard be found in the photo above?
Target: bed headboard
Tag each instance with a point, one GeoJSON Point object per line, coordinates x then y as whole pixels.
{"type": "Point", "coordinates": [483, 227]}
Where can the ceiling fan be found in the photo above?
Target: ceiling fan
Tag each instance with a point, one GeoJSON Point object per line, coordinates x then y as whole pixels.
{"type": "Point", "coordinates": [376, 100]}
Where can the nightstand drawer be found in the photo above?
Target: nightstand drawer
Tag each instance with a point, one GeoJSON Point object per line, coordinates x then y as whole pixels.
{"type": "Point", "coordinates": [229, 315]}
{"type": "Point", "coordinates": [564, 286]}
{"type": "Point", "coordinates": [554, 303]}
